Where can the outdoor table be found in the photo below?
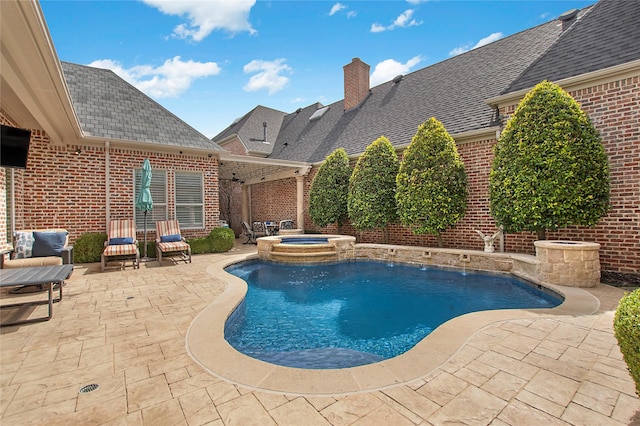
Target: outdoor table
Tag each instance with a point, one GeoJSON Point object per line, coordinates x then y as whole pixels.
{"type": "Point", "coordinates": [38, 275]}
{"type": "Point", "coordinates": [272, 228]}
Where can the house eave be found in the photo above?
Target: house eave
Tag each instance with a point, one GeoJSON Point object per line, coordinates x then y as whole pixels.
{"type": "Point", "coordinates": [574, 83]}
{"type": "Point", "coordinates": [35, 93]}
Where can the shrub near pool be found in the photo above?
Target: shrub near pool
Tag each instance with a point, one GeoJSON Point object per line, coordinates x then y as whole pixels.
{"type": "Point", "coordinates": [626, 327]}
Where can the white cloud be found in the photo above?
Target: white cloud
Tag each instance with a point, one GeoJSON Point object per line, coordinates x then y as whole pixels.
{"type": "Point", "coordinates": [170, 79]}
{"type": "Point", "coordinates": [483, 41]}
{"type": "Point", "coordinates": [377, 28]}
{"type": "Point", "coordinates": [204, 17]}
{"type": "Point", "coordinates": [390, 68]}
{"type": "Point", "coordinates": [268, 75]}
{"type": "Point", "coordinates": [417, 1]}
{"type": "Point", "coordinates": [404, 20]}
{"type": "Point", "coordinates": [337, 8]}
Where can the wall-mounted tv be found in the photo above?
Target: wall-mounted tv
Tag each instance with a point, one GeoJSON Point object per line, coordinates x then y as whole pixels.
{"type": "Point", "coordinates": [14, 147]}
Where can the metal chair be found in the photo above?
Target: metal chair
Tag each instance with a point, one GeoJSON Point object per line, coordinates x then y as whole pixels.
{"type": "Point", "coordinates": [287, 224]}
{"type": "Point", "coordinates": [259, 229]}
{"type": "Point", "coordinates": [248, 232]}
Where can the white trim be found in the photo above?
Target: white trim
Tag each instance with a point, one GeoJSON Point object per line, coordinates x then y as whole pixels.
{"type": "Point", "coordinates": [577, 82]}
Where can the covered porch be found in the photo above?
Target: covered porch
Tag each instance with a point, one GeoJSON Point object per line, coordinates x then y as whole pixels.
{"type": "Point", "coordinates": [246, 172]}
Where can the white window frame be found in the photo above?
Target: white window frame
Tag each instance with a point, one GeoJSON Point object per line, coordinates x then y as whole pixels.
{"type": "Point", "coordinates": [187, 212]}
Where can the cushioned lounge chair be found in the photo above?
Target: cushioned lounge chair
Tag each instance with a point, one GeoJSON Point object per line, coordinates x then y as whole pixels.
{"type": "Point", "coordinates": [169, 241]}
{"type": "Point", "coordinates": [121, 243]}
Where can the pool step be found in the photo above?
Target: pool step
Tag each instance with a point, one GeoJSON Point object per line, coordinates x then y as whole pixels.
{"type": "Point", "coordinates": [303, 252]}
{"type": "Point", "coordinates": [303, 248]}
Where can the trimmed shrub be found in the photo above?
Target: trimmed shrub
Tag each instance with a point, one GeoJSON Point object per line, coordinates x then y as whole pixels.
{"type": "Point", "coordinates": [222, 239]}
{"type": "Point", "coordinates": [432, 182]}
{"type": "Point", "coordinates": [88, 247]}
{"type": "Point", "coordinates": [151, 248]}
{"type": "Point", "coordinates": [626, 327]}
{"type": "Point", "coordinates": [329, 190]}
{"type": "Point", "coordinates": [200, 245]}
{"type": "Point", "coordinates": [372, 188]}
{"type": "Point", "coordinates": [550, 168]}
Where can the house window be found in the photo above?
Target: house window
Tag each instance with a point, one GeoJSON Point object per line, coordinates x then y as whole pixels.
{"type": "Point", "coordinates": [159, 195]}
{"type": "Point", "coordinates": [189, 200]}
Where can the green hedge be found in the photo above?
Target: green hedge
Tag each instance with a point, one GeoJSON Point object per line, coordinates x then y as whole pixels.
{"type": "Point", "coordinates": [88, 247]}
{"type": "Point", "coordinates": [626, 327]}
{"type": "Point", "coordinates": [222, 239]}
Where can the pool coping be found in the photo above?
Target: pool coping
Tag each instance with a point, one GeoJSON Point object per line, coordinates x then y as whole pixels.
{"type": "Point", "coordinates": [205, 343]}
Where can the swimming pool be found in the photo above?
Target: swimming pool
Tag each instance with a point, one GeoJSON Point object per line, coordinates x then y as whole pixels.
{"type": "Point", "coordinates": [359, 312]}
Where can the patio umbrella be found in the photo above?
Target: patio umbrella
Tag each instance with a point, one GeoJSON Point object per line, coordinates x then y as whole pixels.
{"type": "Point", "coordinates": [144, 201]}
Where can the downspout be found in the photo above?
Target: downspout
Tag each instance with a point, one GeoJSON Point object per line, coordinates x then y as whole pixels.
{"type": "Point", "coordinates": [13, 205]}
{"type": "Point", "coordinates": [107, 185]}
{"type": "Point", "coordinates": [501, 241]}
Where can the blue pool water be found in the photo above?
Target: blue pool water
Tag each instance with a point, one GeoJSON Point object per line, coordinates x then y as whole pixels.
{"type": "Point", "coordinates": [359, 312]}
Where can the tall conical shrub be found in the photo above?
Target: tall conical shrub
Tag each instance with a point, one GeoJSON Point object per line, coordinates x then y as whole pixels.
{"type": "Point", "coordinates": [550, 169]}
{"type": "Point", "coordinates": [432, 182]}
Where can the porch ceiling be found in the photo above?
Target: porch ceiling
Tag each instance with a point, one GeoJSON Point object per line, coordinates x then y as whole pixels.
{"type": "Point", "coordinates": [249, 170]}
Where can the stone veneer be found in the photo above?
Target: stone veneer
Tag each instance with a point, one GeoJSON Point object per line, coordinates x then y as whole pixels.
{"type": "Point", "coordinates": [568, 263]}
{"type": "Point", "coordinates": [565, 263]}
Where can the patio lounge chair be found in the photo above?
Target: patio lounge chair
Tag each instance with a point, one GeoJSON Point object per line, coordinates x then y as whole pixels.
{"type": "Point", "coordinates": [121, 243]}
{"type": "Point", "coordinates": [170, 241]}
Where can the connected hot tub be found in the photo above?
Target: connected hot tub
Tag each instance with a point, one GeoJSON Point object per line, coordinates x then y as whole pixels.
{"type": "Point", "coordinates": [305, 248]}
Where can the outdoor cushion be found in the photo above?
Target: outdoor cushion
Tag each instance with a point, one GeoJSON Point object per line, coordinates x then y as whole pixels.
{"type": "Point", "coordinates": [120, 241]}
{"type": "Point", "coordinates": [24, 245]}
{"type": "Point", "coordinates": [48, 243]}
{"type": "Point", "coordinates": [170, 238]}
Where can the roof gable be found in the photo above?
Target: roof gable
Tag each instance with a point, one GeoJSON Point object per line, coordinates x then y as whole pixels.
{"type": "Point", "coordinates": [251, 131]}
{"type": "Point", "coordinates": [108, 107]}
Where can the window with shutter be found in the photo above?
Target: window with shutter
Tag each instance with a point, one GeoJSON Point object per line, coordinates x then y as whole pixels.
{"type": "Point", "coordinates": [189, 200]}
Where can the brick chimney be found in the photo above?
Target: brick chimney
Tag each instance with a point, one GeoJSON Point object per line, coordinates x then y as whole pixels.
{"type": "Point", "coordinates": [356, 82]}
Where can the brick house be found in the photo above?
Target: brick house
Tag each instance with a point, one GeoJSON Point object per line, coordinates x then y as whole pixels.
{"type": "Point", "coordinates": [594, 54]}
{"type": "Point", "coordinates": [91, 132]}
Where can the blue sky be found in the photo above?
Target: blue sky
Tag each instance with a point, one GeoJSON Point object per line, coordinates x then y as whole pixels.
{"type": "Point", "coordinates": [210, 62]}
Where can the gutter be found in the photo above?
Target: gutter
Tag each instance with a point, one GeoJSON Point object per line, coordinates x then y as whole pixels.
{"type": "Point", "coordinates": [575, 82]}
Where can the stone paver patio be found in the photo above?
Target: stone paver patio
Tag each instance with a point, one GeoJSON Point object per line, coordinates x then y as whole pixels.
{"type": "Point", "coordinates": [125, 330]}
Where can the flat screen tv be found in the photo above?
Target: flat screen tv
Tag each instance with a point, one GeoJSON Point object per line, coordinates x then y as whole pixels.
{"type": "Point", "coordinates": [14, 147]}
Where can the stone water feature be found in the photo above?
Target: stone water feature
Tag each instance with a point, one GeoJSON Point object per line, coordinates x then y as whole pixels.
{"type": "Point", "coordinates": [565, 263]}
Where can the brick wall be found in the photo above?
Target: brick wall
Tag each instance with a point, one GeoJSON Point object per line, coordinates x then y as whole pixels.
{"type": "Point", "coordinates": [275, 200]}
{"type": "Point", "coordinates": [67, 190]}
{"type": "Point", "coordinates": [235, 147]}
{"type": "Point", "coordinates": [614, 109]}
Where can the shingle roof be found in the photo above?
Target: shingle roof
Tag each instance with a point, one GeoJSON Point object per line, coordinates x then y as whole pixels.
{"type": "Point", "coordinates": [250, 130]}
{"type": "Point", "coordinates": [607, 35]}
{"type": "Point", "coordinates": [453, 91]}
{"type": "Point", "coordinates": [109, 107]}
